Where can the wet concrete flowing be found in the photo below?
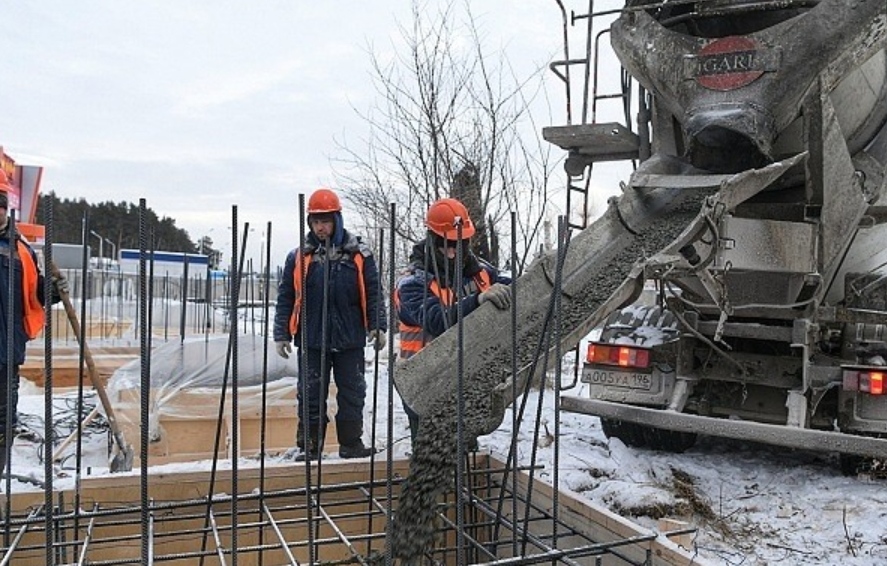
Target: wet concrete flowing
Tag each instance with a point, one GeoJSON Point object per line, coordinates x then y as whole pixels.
{"type": "Point", "coordinates": [434, 458]}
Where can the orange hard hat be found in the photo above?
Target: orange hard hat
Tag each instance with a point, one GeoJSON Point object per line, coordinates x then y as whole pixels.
{"type": "Point", "coordinates": [442, 217]}
{"type": "Point", "coordinates": [324, 200]}
{"type": "Point", "coordinates": [5, 187]}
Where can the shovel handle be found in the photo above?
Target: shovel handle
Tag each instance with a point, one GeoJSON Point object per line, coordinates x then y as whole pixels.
{"type": "Point", "coordinates": [90, 364]}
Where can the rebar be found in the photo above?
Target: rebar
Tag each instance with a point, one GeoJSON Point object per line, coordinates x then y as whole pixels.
{"type": "Point", "coordinates": [316, 517]}
{"type": "Point", "coordinates": [175, 519]}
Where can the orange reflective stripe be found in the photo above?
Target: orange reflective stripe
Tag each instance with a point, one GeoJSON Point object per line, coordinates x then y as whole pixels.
{"type": "Point", "coordinates": [301, 266]}
{"type": "Point", "coordinates": [361, 286]}
{"type": "Point", "coordinates": [33, 311]}
{"type": "Point", "coordinates": [445, 294]}
{"type": "Point", "coordinates": [483, 280]}
{"type": "Point", "coordinates": [414, 338]}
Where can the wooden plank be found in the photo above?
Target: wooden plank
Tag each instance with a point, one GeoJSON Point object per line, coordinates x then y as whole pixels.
{"type": "Point", "coordinates": [602, 525]}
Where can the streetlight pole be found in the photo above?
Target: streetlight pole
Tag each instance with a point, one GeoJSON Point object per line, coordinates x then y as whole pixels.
{"type": "Point", "coordinates": [101, 242]}
{"type": "Point", "coordinates": [113, 248]}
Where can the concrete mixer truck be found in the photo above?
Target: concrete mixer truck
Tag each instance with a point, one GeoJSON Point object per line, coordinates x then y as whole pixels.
{"type": "Point", "coordinates": [755, 210]}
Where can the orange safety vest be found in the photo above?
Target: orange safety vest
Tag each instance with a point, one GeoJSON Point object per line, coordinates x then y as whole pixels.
{"type": "Point", "coordinates": [33, 316]}
{"type": "Point", "coordinates": [302, 267]}
{"type": "Point", "coordinates": [414, 338]}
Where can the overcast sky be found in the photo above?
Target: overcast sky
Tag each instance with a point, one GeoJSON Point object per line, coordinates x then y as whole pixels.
{"type": "Point", "coordinates": [198, 105]}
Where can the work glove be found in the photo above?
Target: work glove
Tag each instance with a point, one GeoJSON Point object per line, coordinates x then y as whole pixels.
{"type": "Point", "coordinates": [61, 284]}
{"type": "Point", "coordinates": [499, 294]}
{"type": "Point", "coordinates": [283, 348]}
{"type": "Point", "coordinates": [378, 339]}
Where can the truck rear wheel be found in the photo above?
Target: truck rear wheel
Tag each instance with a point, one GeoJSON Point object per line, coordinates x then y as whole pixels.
{"type": "Point", "coordinates": [640, 436]}
{"type": "Point", "coordinates": [851, 464]}
{"type": "Point", "coordinates": [629, 433]}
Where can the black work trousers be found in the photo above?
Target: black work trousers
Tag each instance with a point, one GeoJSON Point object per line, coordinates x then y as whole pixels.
{"type": "Point", "coordinates": [347, 368]}
{"type": "Point", "coordinates": [8, 406]}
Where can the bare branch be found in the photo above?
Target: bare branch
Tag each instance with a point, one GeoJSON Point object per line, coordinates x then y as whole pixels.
{"type": "Point", "coordinates": [450, 119]}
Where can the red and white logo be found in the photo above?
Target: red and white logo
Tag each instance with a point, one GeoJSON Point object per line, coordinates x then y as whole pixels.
{"type": "Point", "coordinates": [729, 63]}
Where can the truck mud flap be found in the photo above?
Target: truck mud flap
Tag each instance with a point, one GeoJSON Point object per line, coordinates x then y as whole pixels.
{"type": "Point", "coordinates": [779, 435]}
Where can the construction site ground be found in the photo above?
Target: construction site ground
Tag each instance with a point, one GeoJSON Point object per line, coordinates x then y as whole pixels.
{"type": "Point", "coordinates": [750, 504]}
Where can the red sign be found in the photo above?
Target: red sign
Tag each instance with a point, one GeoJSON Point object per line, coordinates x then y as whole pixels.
{"type": "Point", "coordinates": [729, 63]}
{"type": "Point", "coordinates": [8, 165]}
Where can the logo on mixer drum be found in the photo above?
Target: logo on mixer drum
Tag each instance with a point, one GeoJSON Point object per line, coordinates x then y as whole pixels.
{"type": "Point", "coordinates": [730, 63]}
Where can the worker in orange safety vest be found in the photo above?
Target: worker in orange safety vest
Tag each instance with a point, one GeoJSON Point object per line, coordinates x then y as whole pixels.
{"type": "Point", "coordinates": [427, 296]}
{"type": "Point", "coordinates": [26, 320]}
{"type": "Point", "coordinates": [334, 277]}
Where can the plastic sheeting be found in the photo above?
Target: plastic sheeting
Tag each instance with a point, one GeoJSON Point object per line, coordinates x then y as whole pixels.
{"type": "Point", "coordinates": [186, 379]}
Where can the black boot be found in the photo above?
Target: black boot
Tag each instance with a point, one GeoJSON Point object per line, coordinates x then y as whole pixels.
{"type": "Point", "coordinates": [350, 441]}
{"type": "Point", "coordinates": [315, 443]}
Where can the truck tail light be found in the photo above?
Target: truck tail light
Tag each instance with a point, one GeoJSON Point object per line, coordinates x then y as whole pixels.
{"type": "Point", "coordinates": [616, 355]}
{"type": "Point", "coordinates": [868, 380]}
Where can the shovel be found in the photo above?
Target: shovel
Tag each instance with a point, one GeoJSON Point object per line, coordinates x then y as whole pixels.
{"type": "Point", "coordinates": [123, 455]}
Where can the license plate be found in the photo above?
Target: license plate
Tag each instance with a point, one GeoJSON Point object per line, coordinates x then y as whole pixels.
{"type": "Point", "coordinates": [611, 378]}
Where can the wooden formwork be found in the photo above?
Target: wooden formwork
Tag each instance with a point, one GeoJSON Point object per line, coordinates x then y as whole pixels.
{"type": "Point", "coordinates": [184, 425]}
{"type": "Point", "coordinates": [587, 520]}
{"type": "Point", "coordinates": [347, 523]}
{"type": "Point", "coordinates": [181, 514]}
{"type": "Point", "coordinates": [66, 363]}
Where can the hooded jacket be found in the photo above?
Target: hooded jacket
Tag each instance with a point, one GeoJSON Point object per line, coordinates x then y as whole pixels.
{"type": "Point", "coordinates": [426, 296]}
{"type": "Point", "coordinates": [350, 287]}
{"type": "Point", "coordinates": [28, 299]}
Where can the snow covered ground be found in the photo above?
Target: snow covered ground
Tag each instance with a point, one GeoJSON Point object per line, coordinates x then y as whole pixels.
{"type": "Point", "coordinates": [753, 504]}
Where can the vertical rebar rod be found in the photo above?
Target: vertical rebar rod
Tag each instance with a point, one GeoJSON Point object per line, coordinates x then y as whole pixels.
{"type": "Point", "coordinates": [389, 464]}
{"type": "Point", "coordinates": [562, 240]}
{"type": "Point", "coordinates": [304, 411]}
{"type": "Point", "coordinates": [48, 432]}
{"type": "Point", "coordinates": [266, 286]}
{"type": "Point", "coordinates": [229, 354]}
{"type": "Point", "coordinates": [543, 347]}
{"type": "Point", "coordinates": [460, 395]}
{"type": "Point", "coordinates": [511, 461]}
{"type": "Point", "coordinates": [145, 354]}
{"type": "Point", "coordinates": [81, 366]}
{"type": "Point", "coordinates": [184, 314]}
{"type": "Point", "coordinates": [379, 313]}
{"type": "Point", "coordinates": [235, 378]}
{"type": "Point", "coordinates": [165, 304]}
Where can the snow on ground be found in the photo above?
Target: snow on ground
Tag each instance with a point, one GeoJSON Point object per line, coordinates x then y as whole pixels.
{"type": "Point", "coordinates": [754, 505]}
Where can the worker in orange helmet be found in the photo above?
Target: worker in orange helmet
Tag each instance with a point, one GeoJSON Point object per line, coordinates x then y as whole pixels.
{"type": "Point", "coordinates": [27, 320]}
{"type": "Point", "coordinates": [428, 297]}
{"type": "Point", "coordinates": [334, 276]}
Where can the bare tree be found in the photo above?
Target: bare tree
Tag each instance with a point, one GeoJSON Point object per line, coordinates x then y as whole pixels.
{"type": "Point", "coordinates": [450, 120]}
